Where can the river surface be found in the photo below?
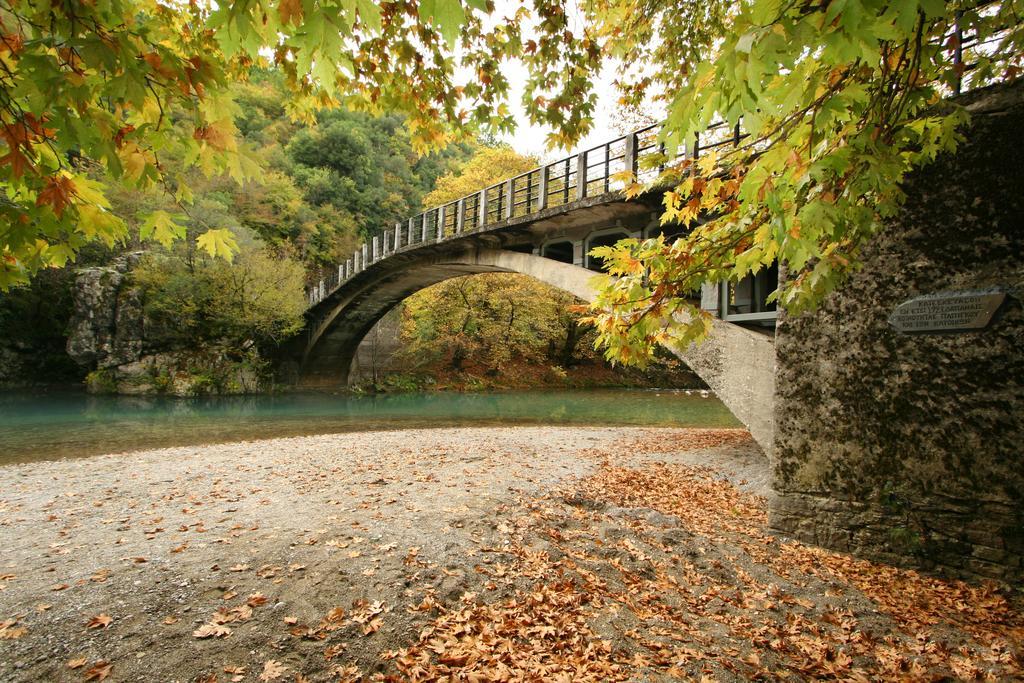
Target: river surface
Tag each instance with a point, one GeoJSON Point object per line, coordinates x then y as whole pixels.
{"type": "Point", "coordinates": [65, 424]}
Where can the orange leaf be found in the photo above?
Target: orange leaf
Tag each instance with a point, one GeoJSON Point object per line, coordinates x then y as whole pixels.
{"type": "Point", "coordinates": [99, 671]}
{"type": "Point", "coordinates": [100, 621]}
{"type": "Point", "coordinates": [58, 193]}
{"type": "Point", "coordinates": [288, 10]}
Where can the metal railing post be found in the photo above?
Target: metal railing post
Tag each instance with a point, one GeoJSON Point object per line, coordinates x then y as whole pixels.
{"type": "Point", "coordinates": [542, 189]}
{"type": "Point", "coordinates": [630, 155]}
{"type": "Point", "coordinates": [482, 209]}
{"type": "Point", "coordinates": [440, 223]}
{"type": "Point", "coordinates": [581, 176]}
{"type": "Point", "coordinates": [510, 192]}
{"type": "Point", "coordinates": [460, 215]}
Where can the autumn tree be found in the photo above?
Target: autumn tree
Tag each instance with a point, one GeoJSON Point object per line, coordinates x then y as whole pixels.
{"type": "Point", "coordinates": [489, 165]}
{"type": "Point", "coordinates": [837, 102]}
{"type": "Point", "coordinates": [257, 297]}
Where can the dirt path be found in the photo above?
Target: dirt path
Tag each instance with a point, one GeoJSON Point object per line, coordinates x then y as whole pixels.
{"type": "Point", "coordinates": [474, 554]}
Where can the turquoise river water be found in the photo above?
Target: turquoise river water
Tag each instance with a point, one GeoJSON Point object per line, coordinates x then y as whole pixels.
{"type": "Point", "coordinates": [60, 424]}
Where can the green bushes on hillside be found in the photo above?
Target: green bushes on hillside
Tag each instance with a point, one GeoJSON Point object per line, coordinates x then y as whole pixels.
{"type": "Point", "coordinates": [258, 297]}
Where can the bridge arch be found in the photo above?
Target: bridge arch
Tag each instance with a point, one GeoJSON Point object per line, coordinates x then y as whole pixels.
{"type": "Point", "coordinates": [737, 363]}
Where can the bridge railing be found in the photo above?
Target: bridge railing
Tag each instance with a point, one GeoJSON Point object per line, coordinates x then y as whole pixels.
{"type": "Point", "coordinates": [591, 172]}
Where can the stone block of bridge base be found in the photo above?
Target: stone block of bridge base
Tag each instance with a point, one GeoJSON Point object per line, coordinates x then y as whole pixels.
{"type": "Point", "coordinates": [578, 256]}
{"type": "Point", "coordinates": [907, 447]}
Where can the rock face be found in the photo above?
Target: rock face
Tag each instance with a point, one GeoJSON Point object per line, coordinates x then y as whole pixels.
{"type": "Point", "coordinates": [210, 370]}
{"type": "Point", "coordinates": [907, 446]}
{"type": "Point", "coordinates": [106, 329]}
{"type": "Point", "coordinates": [107, 335]}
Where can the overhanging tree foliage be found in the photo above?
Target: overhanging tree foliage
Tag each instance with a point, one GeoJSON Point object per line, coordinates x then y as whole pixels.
{"type": "Point", "coordinates": [838, 100]}
{"type": "Point", "coordinates": [88, 92]}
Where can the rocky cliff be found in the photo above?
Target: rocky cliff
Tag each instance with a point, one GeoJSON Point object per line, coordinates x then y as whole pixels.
{"type": "Point", "coordinates": [107, 335]}
{"type": "Point", "coordinates": [106, 329]}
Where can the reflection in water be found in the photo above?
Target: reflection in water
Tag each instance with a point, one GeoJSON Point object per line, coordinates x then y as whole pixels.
{"type": "Point", "coordinates": [67, 424]}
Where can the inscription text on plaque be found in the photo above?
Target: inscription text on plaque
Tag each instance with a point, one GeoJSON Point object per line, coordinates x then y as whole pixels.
{"type": "Point", "coordinates": [947, 311]}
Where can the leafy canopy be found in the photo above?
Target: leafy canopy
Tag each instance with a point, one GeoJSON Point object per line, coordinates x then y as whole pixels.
{"type": "Point", "coordinates": [90, 94]}
{"type": "Point", "coordinates": [838, 101]}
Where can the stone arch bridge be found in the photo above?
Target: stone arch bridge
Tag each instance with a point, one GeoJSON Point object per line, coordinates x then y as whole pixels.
{"type": "Point", "coordinates": [543, 224]}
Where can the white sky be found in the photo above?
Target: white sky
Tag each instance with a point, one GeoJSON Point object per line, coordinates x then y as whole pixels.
{"type": "Point", "coordinates": [529, 139]}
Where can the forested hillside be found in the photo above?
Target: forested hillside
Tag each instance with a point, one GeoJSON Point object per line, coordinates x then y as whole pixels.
{"type": "Point", "coordinates": [316, 191]}
{"type": "Point", "coordinates": [161, 314]}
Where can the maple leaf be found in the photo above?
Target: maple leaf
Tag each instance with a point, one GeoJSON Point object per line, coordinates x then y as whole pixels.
{"type": "Point", "coordinates": [373, 626]}
{"type": "Point", "coordinates": [99, 671]}
{"type": "Point", "coordinates": [162, 227]}
{"type": "Point", "coordinates": [212, 631]}
{"type": "Point", "coordinates": [256, 599]}
{"type": "Point", "coordinates": [100, 621]}
{"type": "Point", "coordinates": [288, 10]}
{"type": "Point", "coordinates": [218, 242]}
{"type": "Point", "coordinates": [273, 670]}
{"type": "Point", "coordinates": [18, 162]}
{"type": "Point", "coordinates": [59, 192]}
{"type": "Point", "coordinates": [242, 612]}
{"type": "Point", "coordinates": [8, 630]}
{"type": "Point", "coordinates": [77, 663]}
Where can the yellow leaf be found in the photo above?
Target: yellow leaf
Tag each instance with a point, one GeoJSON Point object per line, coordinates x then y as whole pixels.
{"type": "Point", "coordinates": [218, 243]}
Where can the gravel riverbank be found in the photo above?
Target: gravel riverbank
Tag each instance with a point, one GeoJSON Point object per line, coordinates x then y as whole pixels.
{"type": "Point", "coordinates": [545, 553]}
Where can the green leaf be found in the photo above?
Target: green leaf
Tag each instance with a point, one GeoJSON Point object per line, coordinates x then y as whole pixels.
{"type": "Point", "coordinates": [219, 242]}
{"type": "Point", "coordinates": [161, 226]}
{"type": "Point", "coordinates": [369, 13]}
{"type": "Point", "coordinates": [448, 15]}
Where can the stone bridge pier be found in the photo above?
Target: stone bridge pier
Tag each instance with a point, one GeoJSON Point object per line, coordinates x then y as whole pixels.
{"type": "Point", "coordinates": [907, 446]}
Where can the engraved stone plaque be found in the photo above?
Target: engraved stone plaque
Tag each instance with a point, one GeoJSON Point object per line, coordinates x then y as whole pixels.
{"type": "Point", "coordinates": [947, 311]}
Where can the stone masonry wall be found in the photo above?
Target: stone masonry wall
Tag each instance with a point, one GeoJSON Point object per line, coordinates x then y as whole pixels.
{"type": "Point", "coordinates": [908, 447]}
